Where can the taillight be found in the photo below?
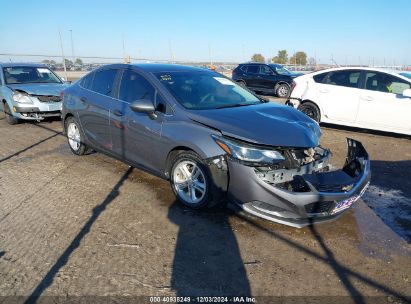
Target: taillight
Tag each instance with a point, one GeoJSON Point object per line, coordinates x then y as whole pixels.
{"type": "Point", "coordinates": [62, 94]}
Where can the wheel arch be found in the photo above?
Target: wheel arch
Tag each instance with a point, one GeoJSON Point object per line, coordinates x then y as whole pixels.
{"type": "Point", "coordinates": [171, 154]}
{"type": "Point", "coordinates": [314, 103]}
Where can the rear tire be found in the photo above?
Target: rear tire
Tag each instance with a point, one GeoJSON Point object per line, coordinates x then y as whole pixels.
{"type": "Point", "coordinates": [242, 83]}
{"type": "Point", "coordinates": [75, 137]}
{"type": "Point", "coordinates": [282, 90]}
{"type": "Point", "coordinates": [11, 120]}
{"type": "Point", "coordinates": [191, 180]}
{"type": "Point", "coordinates": [311, 110]}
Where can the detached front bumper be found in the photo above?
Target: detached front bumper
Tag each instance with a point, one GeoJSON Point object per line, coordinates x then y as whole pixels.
{"type": "Point", "coordinates": [322, 196]}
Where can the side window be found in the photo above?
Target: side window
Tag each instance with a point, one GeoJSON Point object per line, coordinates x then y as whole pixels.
{"type": "Point", "coordinates": [385, 83]}
{"type": "Point", "coordinates": [253, 69]}
{"type": "Point", "coordinates": [265, 70]}
{"type": "Point", "coordinates": [320, 78]}
{"type": "Point", "coordinates": [134, 87]}
{"type": "Point", "coordinates": [87, 81]}
{"type": "Point", "coordinates": [161, 105]}
{"type": "Point", "coordinates": [103, 82]}
{"type": "Point", "coordinates": [243, 68]}
{"type": "Point", "coordinates": [349, 79]}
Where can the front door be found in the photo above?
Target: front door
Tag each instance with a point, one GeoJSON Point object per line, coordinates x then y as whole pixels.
{"type": "Point", "coordinates": [135, 134]}
{"type": "Point", "coordinates": [382, 104]}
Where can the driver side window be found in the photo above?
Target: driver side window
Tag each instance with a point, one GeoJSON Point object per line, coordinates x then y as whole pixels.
{"type": "Point", "coordinates": [134, 87]}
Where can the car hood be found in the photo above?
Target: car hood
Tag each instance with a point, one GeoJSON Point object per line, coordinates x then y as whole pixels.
{"type": "Point", "coordinates": [51, 89]}
{"type": "Point", "coordinates": [265, 124]}
{"type": "Point", "coordinates": [294, 75]}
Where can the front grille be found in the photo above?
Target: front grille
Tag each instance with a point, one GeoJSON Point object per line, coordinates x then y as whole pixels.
{"type": "Point", "coordinates": [45, 98]}
{"type": "Point", "coordinates": [319, 207]}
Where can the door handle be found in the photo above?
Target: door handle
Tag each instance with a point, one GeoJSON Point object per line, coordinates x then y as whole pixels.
{"type": "Point", "coordinates": [324, 91]}
{"type": "Point", "coordinates": [83, 99]}
{"type": "Point", "coordinates": [367, 98]}
{"type": "Point", "coordinates": [118, 113]}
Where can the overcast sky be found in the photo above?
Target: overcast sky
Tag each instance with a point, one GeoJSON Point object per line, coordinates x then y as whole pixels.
{"type": "Point", "coordinates": [351, 31]}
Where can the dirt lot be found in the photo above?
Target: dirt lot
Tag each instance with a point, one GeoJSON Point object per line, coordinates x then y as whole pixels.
{"type": "Point", "coordinates": [84, 226]}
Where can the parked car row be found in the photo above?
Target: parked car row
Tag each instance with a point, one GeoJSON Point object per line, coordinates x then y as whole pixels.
{"type": "Point", "coordinates": [265, 78]}
{"type": "Point", "coordinates": [358, 97]}
{"type": "Point", "coordinates": [213, 139]}
{"type": "Point", "coordinates": [30, 92]}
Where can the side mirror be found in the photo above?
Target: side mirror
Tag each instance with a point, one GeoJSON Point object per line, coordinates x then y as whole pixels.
{"type": "Point", "coordinates": [406, 93]}
{"type": "Point", "coordinates": [144, 106]}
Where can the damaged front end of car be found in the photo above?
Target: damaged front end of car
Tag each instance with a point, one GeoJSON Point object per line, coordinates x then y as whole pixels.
{"type": "Point", "coordinates": [294, 186]}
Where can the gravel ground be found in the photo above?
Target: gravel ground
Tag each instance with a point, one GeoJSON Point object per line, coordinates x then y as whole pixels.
{"type": "Point", "coordinates": [86, 226]}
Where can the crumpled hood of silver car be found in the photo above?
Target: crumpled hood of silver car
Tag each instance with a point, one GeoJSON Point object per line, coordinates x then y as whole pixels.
{"type": "Point", "coordinates": [49, 89]}
{"type": "Point", "coordinates": [266, 124]}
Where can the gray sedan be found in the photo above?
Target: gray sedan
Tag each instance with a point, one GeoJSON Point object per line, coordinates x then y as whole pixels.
{"type": "Point", "coordinates": [29, 92]}
{"type": "Point", "coordinates": [214, 141]}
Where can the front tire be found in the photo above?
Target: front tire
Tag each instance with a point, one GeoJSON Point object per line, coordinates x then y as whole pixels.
{"type": "Point", "coordinates": [191, 181]}
{"type": "Point", "coordinates": [282, 90]}
{"type": "Point", "coordinates": [311, 110]}
{"type": "Point", "coordinates": [75, 137]}
{"type": "Point", "coordinates": [11, 120]}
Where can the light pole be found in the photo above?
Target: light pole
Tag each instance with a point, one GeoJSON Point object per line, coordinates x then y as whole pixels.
{"type": "Point", "coordinates": [62, 55]}
{"type": "Point", "coordinates": [72, 45]}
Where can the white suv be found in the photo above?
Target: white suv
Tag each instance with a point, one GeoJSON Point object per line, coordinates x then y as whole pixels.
{"type": "Point", "coordinates": [359, 97]}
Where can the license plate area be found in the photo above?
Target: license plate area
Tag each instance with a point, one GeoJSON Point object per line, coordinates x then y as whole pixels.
{"type": "Point", "coordinates": [345, 204]}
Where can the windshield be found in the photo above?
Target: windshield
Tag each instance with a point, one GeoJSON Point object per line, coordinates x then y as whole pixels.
{"type": "Point", "coordinates": [21, 75]}
{"type": "Point", "coordinates": [205, 90]}
{"type": "Point", "coordinates": [408, 75]}
{"type": "Point", "coordinates": [280, 69]}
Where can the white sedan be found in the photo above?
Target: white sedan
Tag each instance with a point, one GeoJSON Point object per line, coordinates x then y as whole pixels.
{"type": "Point", "coordinates": [358, 97]}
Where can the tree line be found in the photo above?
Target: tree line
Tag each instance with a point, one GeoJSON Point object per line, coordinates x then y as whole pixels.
{"type": "Point", "coordinates": [298, 58]}
{"type": "Point", "coordinates": [68, 62]}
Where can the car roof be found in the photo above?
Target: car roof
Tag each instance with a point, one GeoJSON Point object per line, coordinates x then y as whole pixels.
{"type": "Point", "coordinates": [156, 67]}
{"type": "Point", "coordinates": [252, 62]}
{"type": "Point", "coordinates": [21, 64]}
{"type": "Point", "coordinates": [382, 70]}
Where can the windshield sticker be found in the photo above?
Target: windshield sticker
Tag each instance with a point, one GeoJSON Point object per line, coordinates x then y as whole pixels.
{"type": "Point", "coordinates": [165, 78]}
{"type": "Point", "coordinates": [224, 81]}
{"type": "Point", "coordinates": [42, 70]}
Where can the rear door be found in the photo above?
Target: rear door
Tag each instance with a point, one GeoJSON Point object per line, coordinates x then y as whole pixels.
{"type": "Point", "coordinates": [253, 75]}
{"type": "Point", "coordinates": [135, 135]}
{"type": "Point", "coordinates": [268, 78]}
{"type": "Point", "coordinates": [338, 95]}
{"type": "Point", "coordinates": [382, 104]}
{"type": "Point", "coordinates": [95, 101]}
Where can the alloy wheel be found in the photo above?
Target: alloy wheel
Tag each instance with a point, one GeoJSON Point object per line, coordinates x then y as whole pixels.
{"type": "Point", "coordinates": [73, 134]}
{"type": "Point", "coordinates": [189, 182]}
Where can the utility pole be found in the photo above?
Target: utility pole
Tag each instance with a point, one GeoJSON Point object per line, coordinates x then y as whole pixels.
{"type": "Point", "coordinates": [209, 54]}
{"type": "Point", "coordinates": [62, 55]}
{"type": "Point", "coordinates": [245, 59]}
{"type": "Point", "coordinates": [171, 51]}
{"type": "Point", "coordinates": [72, 46]}
{"type": "Point", "coordinates": [126, 59]}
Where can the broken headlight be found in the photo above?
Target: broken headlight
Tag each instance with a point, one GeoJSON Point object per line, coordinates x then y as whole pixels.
{"type": "Point", "coordinates": [21, 98]}
{"type": "Point", "coordinates": [248, 153]}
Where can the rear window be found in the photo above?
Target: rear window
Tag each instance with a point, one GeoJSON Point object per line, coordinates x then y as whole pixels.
{"type": "Point", "coordinates": [320, 78]}
{"type": "Point", "coordinates": [253, 69]}
{"type": "Point", "coordinates": [103, 82]}
{"type": "Point", "coordinates": [348, 79]}
{"type": "Point", "coordinates": [87, 81]}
